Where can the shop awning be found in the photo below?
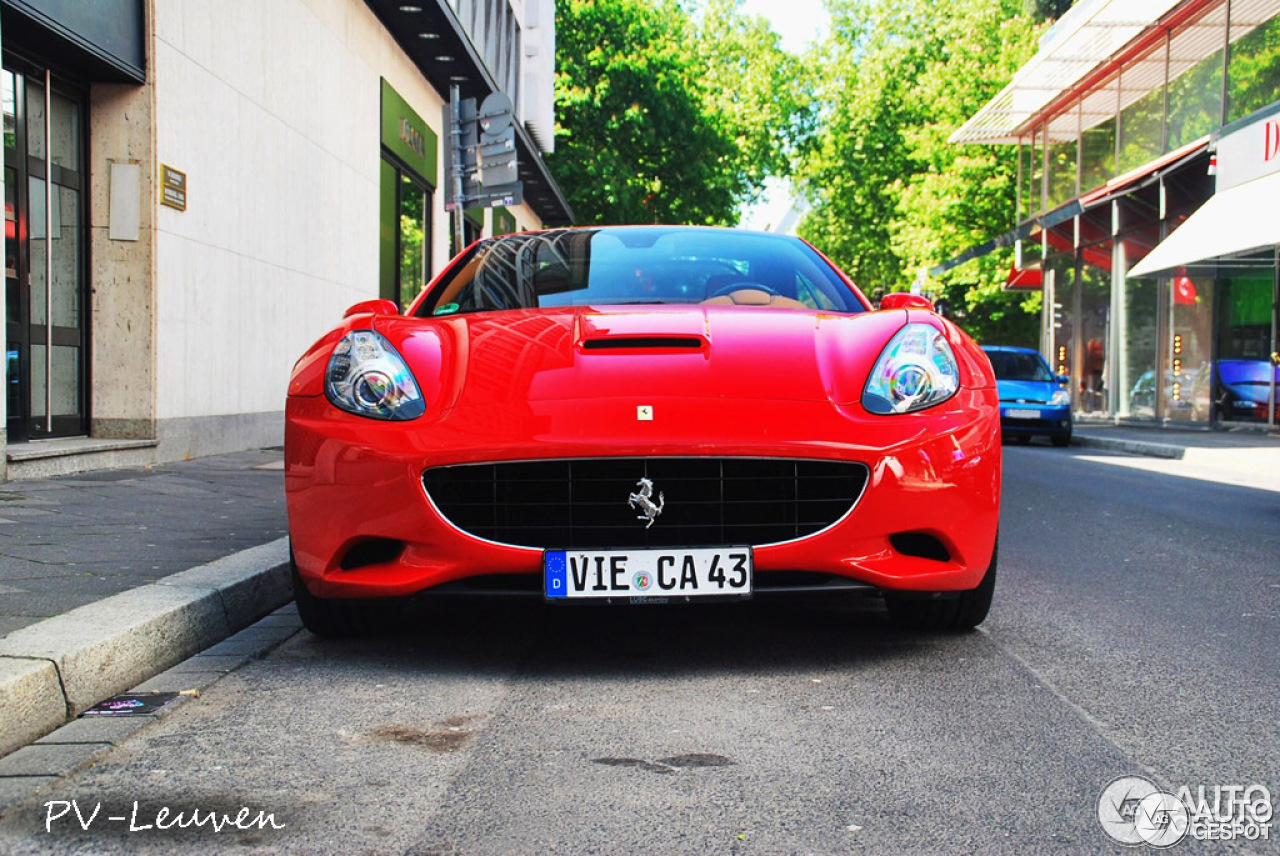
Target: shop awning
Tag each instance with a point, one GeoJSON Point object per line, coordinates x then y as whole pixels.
{"type": "Point", "coordinates": [1024, 279]}
{"type": "Point", "coordinates": [1235, 222]}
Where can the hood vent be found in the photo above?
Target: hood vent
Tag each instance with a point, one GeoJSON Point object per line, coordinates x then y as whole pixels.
{"type": "Point", "coordinates": [628, 343]}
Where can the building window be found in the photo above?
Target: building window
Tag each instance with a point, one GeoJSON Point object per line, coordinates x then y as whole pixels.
{"type": "Point", "coordinates": [46, 322]}
{"type": "Point", "coordinates": [1142, 92]}
{"type": "Point", "coordinates": [406, 233]}
{"type": "Point", "coordinates": [1254, 72]}
{"type": "Point", "coordinates": [1243, 371]}
{"type": "Point", "coordinates": [415, 231]}
{"type": "Point", "coordinates": [410, 151]}
{"type": "Point", "coordinates": [1195, 80]}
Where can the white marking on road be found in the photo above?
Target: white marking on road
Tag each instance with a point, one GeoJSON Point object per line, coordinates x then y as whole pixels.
{"type": "Point", "coordinates": [1098, 725]}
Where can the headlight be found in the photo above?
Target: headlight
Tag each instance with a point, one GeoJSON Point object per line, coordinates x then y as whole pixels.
{"type": "Point", "coordinates": [1060, 397]}
{"type": "Point", "coordinates": [916, 370]}
{"type": "Point", "coordinates": [368, 378]}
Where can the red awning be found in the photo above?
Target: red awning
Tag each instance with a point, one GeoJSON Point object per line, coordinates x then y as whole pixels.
{"type": "Point", "coordinates": [1024, 279]}
{"type": "Point", "coordinates": [1098, 255]}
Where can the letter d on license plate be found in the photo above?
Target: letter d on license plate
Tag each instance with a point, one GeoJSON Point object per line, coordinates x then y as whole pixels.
{"type": "Point", "coordinates": [653, 575]}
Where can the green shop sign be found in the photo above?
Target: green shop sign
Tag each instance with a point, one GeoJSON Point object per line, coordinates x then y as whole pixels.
{"type": "Point", "coordinates": [504, 222]}
{"type": "Point", "coordinates": [405, 134]}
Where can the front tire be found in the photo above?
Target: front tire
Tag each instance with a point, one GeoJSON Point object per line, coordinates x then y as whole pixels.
{"type": "Point", "coordinates": [335, 618]}
{"type": "Point", "coordinates": [947, 615]}
{"type": "Point", "coordinates": [1061, 440]}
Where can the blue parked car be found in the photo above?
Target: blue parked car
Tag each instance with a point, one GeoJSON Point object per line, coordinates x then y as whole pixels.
{"type": "Point", "coordinates": [1033, 400]}
{"type": "Point", "coordinates": [1244, 387]}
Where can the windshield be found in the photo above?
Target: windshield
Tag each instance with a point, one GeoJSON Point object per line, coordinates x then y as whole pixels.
{"type": "Point", "coordinates": [1016, 365]}
{"type": "Point", "coordinates": [641, 265]}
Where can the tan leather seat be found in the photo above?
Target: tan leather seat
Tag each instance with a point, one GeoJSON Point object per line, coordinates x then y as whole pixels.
{"type": "Point", "coordinates": [748, 296]}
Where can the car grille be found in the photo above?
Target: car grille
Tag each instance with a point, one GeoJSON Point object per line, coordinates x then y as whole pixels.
{"type": "Point", "coordinates": [580, 504]}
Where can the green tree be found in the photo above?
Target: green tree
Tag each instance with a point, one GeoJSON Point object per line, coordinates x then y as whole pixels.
{"type": "Point", "coordinates": [1048, 9]}
{"type": "Point", "coordinates": [668, 113]}
{"type": "Point", "coordinates": [764, 94]}
{"type": "Point", "coordinates": [890, 194]}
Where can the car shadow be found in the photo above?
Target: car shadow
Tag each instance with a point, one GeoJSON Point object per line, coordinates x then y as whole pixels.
{"type": "Point", "coordinates": [777, 634]}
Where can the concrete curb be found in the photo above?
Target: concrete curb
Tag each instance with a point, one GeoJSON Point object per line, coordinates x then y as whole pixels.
{"type": "Point", "coordinates": [52, 671]}
{"type": "Point", "coordinates": [1133, 447]}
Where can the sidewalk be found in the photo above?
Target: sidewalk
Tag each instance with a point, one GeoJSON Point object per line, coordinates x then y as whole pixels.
{"type": "Point", "coordinates": [109, 577]}
{"type": "Point", "coordinates": [1242, 458]}
{"type": "Point", "coordinates": [71, 540]}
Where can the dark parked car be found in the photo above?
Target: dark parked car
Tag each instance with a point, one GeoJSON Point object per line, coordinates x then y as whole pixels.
{"type": "Point", "coordinates": [1244, 389]}
{"type": "Point", "coordinates": [1033, 400]}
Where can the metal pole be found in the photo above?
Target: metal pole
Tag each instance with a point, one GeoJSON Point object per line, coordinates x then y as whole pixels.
{"type": "Point", "coordinates": [48, 252]}
{"type": "Point", "coordinates": [459, 161]}
{"type": "Point", "coordinates": [1275, 346]}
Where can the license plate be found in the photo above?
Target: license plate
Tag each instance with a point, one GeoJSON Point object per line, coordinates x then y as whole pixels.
{"type": "Point", "coordinates": [1022, 414]}
{"type": "Point", "coordinates": [648, 576]}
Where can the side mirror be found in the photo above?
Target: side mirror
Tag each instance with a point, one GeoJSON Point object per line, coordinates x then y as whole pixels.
{"type": "Point", "coordinates": [373, 307]}
{"type": "Point", "coordinates": [905, 300]}
{"type": "Point", "coordinates": [1063, 379]}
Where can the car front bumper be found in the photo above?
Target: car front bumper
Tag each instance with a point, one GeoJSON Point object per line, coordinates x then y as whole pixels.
{"type": "Point", "coordinates": [1035, 419]}
{"type": "Point", "coordinates": [352, 481]}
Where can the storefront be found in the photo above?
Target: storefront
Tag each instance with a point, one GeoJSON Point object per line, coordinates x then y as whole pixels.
{"type": "Point", "coordinates": [1121, 124]}
{"type": "Point", "coordinates": [52, 52]}
{"type": "Point", "coordinates": [1223, 269]}
{"type": "Point", "coordinates": [191, 198]}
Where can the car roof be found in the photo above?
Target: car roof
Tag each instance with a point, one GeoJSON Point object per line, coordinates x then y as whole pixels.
{"type": "Point", "coordinates": [1013, 349]}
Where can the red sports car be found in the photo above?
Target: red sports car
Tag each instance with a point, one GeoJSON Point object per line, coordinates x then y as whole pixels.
{"type": "Point", "coordinates": [643, 414]}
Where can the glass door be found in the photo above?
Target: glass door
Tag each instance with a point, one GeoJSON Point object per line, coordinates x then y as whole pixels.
{"type": "Point", "coordinates": [45, 307]}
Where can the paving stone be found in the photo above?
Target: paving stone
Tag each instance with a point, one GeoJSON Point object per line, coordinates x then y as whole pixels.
{"type": "Point", "coordinates": [49, 759]}
{"type": "Point", "coordinates": [17, 789]}
{"type": "Point", "coordinates": [96, 729]}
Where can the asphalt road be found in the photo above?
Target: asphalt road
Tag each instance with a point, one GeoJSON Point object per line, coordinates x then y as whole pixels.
{"type": "Point", "coordinates": [1134, 633]}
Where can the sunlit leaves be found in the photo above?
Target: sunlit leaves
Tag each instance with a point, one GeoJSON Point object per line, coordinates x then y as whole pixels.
{"type": "Point", "coordinates": [890, 194]}
{"type": "Point", "coordinates": [670, 113]}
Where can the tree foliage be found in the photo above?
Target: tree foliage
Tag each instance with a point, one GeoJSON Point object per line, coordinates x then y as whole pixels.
{"type": "Point", "coordinates": [890, 194]}
{"type": "Point", "coordinates": [764, 93]}
{"type": "Point", "coordinates": [1048, 9]}
{"type": "Point", "coordinates": [669, 113]}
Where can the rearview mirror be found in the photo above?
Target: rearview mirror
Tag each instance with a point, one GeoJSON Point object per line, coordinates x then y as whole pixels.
{"type": "Point", "coordinates": [373, 307]}
{"type": "Point", "coordinates": [905, 300]}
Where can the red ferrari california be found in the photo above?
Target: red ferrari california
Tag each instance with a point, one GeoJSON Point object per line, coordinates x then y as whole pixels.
{"type": "Point", "coordinates": [643, 415]}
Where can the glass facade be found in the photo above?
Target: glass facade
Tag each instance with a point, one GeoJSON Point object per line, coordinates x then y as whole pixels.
{"type": "Point", "coordinates": [414, 215]}
{"type": "Point", "coordinates": [1195, 102]}
{"type": "Point", "coordinates": [46, 325]}
{"type": "Point", "coordinates": [1062, 173]}
{"type": "Point", "coordinates": [1191, 345]}
{"type": "Point", "coordinates": [1098, 154]}
{"type": "Point", "coordinates": [1253, 73]}
{"type": "Point", "coordinates": [1240, 386]}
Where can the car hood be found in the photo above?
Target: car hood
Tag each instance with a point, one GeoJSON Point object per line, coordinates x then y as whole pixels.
{"type": "Point", "coordinates": [508, 357]}
{"type": "Point", "coordinates": [1030, 391]}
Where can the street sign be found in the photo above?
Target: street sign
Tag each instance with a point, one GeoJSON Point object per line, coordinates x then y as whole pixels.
{"type": "Point", "coordinates": [498, 196]}
{"type": "Point", "coordinates": [480, 153]}
{"type": "Point", "coordinates": [497, 152]}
